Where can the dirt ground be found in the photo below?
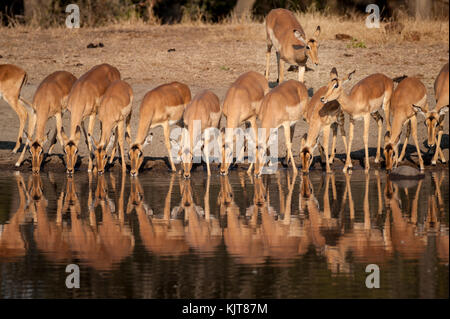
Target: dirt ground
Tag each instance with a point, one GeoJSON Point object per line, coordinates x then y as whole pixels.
{"type": "Point", "coordinates": [205, 57]}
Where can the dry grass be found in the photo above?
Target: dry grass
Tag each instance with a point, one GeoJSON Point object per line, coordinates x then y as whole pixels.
{"type": "Point", "coordinates": [213, 55]}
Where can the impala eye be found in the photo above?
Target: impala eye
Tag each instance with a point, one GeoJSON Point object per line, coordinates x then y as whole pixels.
{"type": "Point", "coordinates": [308, 47]}
{"type": "Point", "coordinates": [336, 85]}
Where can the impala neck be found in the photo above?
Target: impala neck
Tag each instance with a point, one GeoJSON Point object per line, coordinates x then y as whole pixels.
{"type": "Point", "coordinates": [346, 102]}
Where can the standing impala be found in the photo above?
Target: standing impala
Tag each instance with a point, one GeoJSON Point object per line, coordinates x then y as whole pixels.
{"type": "Point", "coordinates": [242, 104]}
{"type": "Point", "coordinates": [84, 100]}
{"type": "Point", "coordinates": [162, 106]}
{"type": "Point", "coordinates": [283, 106]}
{"type": "Point", "coordinates": [12, 78]}
{"type": "Point", "coordinates": [49, 100]}
{"type": "Point", "coordinates": [364, 101]}
{"type": "Point", "coordinates": [114, 113]}
{"type": "Point", "coordinates": [287, 35]}
{"type": "Point", "coordinates": [204, 107]}
{"type": "Point", "coordinates": [321, 118]}
{"type": "Point", "coordinates": [409, 98]}
{"type": "Point", "coordinates": [435, 119]}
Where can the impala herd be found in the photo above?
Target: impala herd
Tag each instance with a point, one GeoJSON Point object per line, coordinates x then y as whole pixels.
{"type": "Point", "coordinates": [100, 93]}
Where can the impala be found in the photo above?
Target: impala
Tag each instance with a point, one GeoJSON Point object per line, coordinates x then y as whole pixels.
{"type": "Point", "coordinates": [435, 119]}
{"type": "Point", "coordinates": [291, 45]}
{"type": "Point", "coordinates": [50, 100]}
{"type": "Point", "coordinates": [204, 107]}
{"type": "Point", "coordinates": [409, 98]}
{"type": "Point", "coordinates": [162, 106]}
{"type": "Point", "coordinates": [12, 79]}
{"type": "Point", "coordinates": [242, 104]}
{"type": "Point", "coordinates": [321, 118]}
{"type": "Point", "coordinates": [364, 101]}
{"type": "Point", "coordinates": [114, 113]}
{"type": "Point", "coordinates": [283, 106]}
{"type": "Point", "coordinates": [83, 101]}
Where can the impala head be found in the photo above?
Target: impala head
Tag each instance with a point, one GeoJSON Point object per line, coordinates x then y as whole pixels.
{"type": "Point", "coordinates": [37, 153]}
{"type": "Point", "coordinates": [311, 45]}
{"type": "Point", "coordinates": [187, 157]}
{"type": "Point", "coordinates": [306, 158]}
{"type": "Point", "coordinates": [187, 198]}
{"type": "Point", "coordinates": [389, 152]}
{"type": "Point", "coordinates": [306, 189]}
{"type": "Point", "coordinates": [71, 149]}
{"type": "Point", "coordinates": [35, 187]}
{"type": "Point", "coordinates": [334, 88]}
{"type": "Point", "coordinates": [100, 152]}
{"type": "Point", "coordinates": [225, 197]}
{"type": "Point", "coordinates": [432, 121]}
{"type": "Point", "coordinates": [136, 155]}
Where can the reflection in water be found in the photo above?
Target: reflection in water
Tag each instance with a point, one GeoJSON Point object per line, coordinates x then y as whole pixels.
{"type": "Point", "coordinates": [334, 224]}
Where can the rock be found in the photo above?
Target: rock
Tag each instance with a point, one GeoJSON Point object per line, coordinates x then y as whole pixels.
{"type": "Point", "coordinates": [406, 176]}
{"type": "Point", "coordinates": [343, 36]}
{"type": "Point", "coordinates": [406, 172]}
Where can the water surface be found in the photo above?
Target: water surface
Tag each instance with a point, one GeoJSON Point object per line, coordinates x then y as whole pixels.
{"type": "Point", "coordinates": [281, 236]}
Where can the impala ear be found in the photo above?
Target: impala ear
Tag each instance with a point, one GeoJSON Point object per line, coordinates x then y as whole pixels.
{"type": "Point", "coordinates": [349, 76]}
{"type": "Point", "coordinates": [77, 135]}
{"type": "Point", "coordinates": [45, 138]}
{"type": "Point", "coordinates": [419, 110]}
{"type": "Point", "coordinates": [333, 73]}
{"type": "Point", "coordinates": [94, 145]}
{"type": "Point", "coordinates": [316, 33]}
{"type": "Point", "coordinates": [110, 143]}
{"type": "Point", "coordinates": [443, 110]}
{"type": "Point", "coordinates": [64, 136]}
{"type": "Point", "coordinates": [148, 140]}
{"type": "Point", "coordinates": [299, 36]}
{"type": "Point", "coordinates": [27, 138]}
{"type": "Point", "coordinates": [387, 137]}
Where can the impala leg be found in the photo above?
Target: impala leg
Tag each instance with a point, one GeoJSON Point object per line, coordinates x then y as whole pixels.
{"type": "Point", "coordinates": [113, 151]}
{"type": "Point", "coordinates": [413, 121]}
{"type": "Point", "coordinates": [53, 141]}
{"type": "Point", "coordinates": [255, 134]}
{"type": "Point", "coordinates": [120, 133]}
{"type": "Point", "coordinates": [377, 117]}
{"type": "Point", "coordinates": [348, 161]}
{"type": "Point", "coordinates": [405, 143]}
{"type": "Point", "coordinates": [334, 128]}
{"type": "Point", "coordinates": [22, 114]}
{"type": "Point", "coordinates": [289, 139]}
{"type": "Point", "coordinates": [438, 152]}
{"type": "Point", "coordinates": [58, 118]}
{"type": "Point", "coordinates": [269, 49]}
{"type": "Point", "coordinates": [326, 140]}
{"type": "Point", "coordinates": [90, 131]}
{"type": "Point", "coordinates": [386, 108]}
{"type": "Point", "coordinates": [366, 142]}
{"type": "Point", "coordinates": [166, 128]}
{"type": "Point", "coordinates": [31, 127]}
{"type": "Point", "coordinates": [301, 73]}
{"type": "Point", "coordinates": [280, 67]}
{"type": "Point", "coordinates": [287, 134]}
{"type": "Point", "coordinates": [206, 151]}
{"type": "Point", "coordinates": [341, 123]}
{"type": "Point", "coordinates": [128, 129]}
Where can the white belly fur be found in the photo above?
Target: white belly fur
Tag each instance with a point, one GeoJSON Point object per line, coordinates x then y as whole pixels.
{"type": "Point", "coordinates": [274, 40]}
